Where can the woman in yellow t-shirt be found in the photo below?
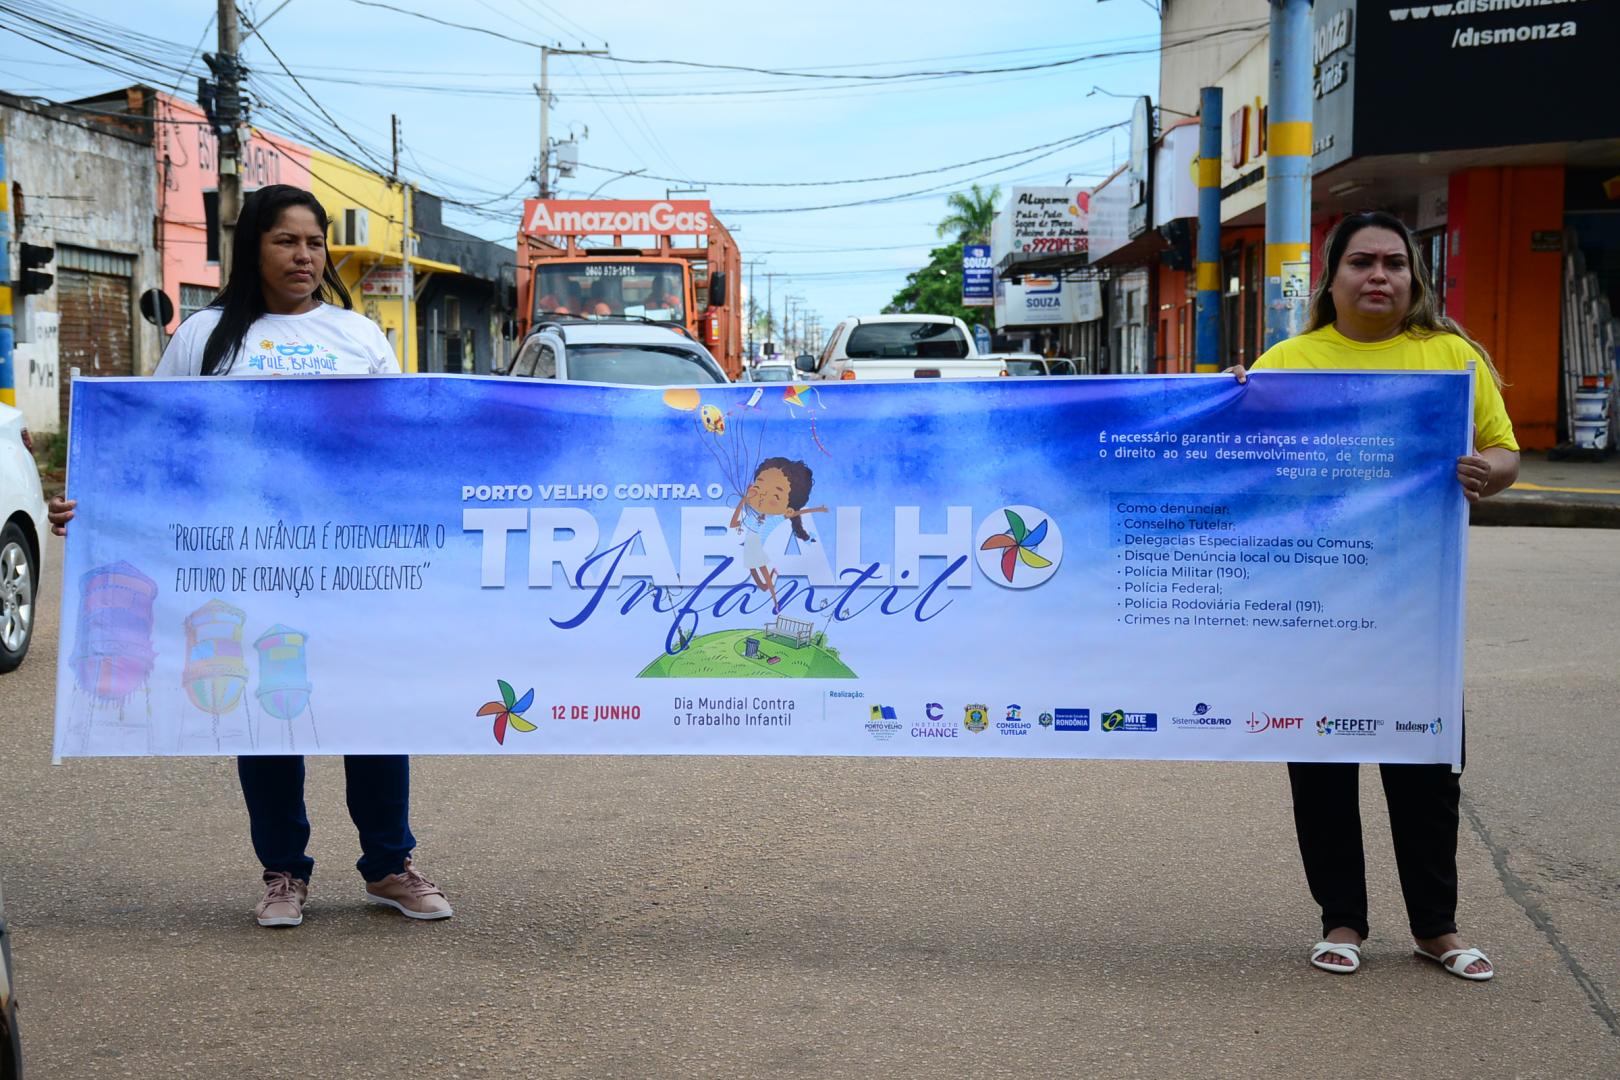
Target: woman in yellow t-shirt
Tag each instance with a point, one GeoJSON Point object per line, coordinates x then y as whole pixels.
{"type": "Point", "coordinates": [1374, 308]}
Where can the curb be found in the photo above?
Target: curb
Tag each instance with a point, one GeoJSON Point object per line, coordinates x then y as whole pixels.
{"type": "Point", "coordinates": [1538, 511]}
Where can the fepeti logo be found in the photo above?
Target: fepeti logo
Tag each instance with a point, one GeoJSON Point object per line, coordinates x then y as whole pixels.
{"type": "Point", "coordinates": [1120, 720]}
{"type": "Point", "coordinates": [1019, 547]}
{"type": "Point", "coordinates": [1348, 725]}
{"type": "Point", "coordinates": [884, 724]}
{"type": "Point", "coordinates": [1258, 722]}
{"type": "Point", "coordinates": [976, 717]}
{"type": "Point", "coordinates": [1072, 720]}
{"type": "Point", "coordinates": [1433, 727]}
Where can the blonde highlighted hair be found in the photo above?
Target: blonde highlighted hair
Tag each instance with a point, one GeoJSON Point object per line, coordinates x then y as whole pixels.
{"type": "Point", "coordinates": [1423, 319]}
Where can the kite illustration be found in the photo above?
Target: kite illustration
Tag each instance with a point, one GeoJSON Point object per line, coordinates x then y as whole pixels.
{"type": "Point", "coordinates": [1018, 545]}
{"type": "Point", "coordinates": [806, 397]}
{"type": "Point", "coordinates": [508, 709]}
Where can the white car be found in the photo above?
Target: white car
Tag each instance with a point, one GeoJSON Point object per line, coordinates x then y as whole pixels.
{"type": "Point", "coordinates": [22, 539]}
{"type": "Point", "coordinates": [772, 371]}
{"type": "Point", "coordinates": [912, 346]}
{"type": "Point", "coordinates": [627, 351]}
{"type": "Point", "coordinates": [1035, 364]}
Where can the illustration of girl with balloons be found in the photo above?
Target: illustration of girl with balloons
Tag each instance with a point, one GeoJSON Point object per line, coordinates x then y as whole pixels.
{"type": "Point", "coordinates": [778, 493]}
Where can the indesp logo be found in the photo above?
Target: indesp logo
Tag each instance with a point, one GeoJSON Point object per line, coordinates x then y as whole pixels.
{"type": "Point", "coordinates": [1019, 547]}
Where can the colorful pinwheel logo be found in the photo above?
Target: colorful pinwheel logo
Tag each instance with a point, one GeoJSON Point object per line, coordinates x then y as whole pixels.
{"type": "Point", "coordinates": [508, 710]}
{"type": "Point", "coordinates": [1017, 545]}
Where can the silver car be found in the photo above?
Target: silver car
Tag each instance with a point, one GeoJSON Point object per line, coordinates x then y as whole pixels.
{"type": "Point", "coordinates": [22, 538]}
{"type": "Point", "coordinates": [629, 352]}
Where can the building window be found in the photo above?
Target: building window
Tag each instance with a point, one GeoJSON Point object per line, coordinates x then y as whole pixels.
{"type": "Point", "coordinates": [193, 298]}
{"type": "Point", "coordinates": [452, 314]}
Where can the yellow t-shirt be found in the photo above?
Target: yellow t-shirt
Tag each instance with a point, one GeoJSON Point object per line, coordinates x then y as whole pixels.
{"type": "Point", "coordinates": [1328, 349]}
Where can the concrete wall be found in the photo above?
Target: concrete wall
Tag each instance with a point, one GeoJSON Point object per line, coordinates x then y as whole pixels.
{"type": "Point", "coordinates": [84, 185]}
{"type": "Point", "coordinates": [1202, 45]}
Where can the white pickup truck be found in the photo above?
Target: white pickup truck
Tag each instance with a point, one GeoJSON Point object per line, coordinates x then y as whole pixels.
{"type": "Point", "coordinates": [900, 347]}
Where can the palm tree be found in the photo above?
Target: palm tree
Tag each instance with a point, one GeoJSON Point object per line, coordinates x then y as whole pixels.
{"type": "Point", "coordinates": [970, 216]}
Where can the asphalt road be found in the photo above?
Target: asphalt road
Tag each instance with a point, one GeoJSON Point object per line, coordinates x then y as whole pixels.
{"type": "Point", "coordinates": [656, 917]}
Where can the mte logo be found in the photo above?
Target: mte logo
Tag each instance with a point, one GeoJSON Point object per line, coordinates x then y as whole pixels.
{"type": "Point", "coordinates": [1258, 722]}
{"type": "Point", "coordinates": [1120, 720]}
{"type": "Point", "coordinates": [1072, 720]}
{"type": "Point", "coordinates": [976, 717]}
{"type": "Point", "coordinates": [883, 712]}
{"type": "Point", "coordinates": [934, 711]}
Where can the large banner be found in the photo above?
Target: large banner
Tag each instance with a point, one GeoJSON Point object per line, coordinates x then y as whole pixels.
{"type": "Point", "coordinates": [1152, 567]}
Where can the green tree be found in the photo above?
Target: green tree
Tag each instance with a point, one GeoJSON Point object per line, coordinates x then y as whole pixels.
{"type": "Point", "coordinates": [970, 215]}
{"type": "Point", "coordinates": [936, 289]}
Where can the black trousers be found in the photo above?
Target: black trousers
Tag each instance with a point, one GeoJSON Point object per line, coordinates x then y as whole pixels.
{"type": "Point", "coordinates": [1423, 819]}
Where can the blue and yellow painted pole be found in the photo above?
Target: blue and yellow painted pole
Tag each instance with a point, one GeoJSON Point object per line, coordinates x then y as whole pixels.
{"type": "Point", "coordinates": [8, 368]}
{"type": "Point", "coordinates": [1288, 171]}
{"type": "Point", "coordinates": [1208, 337]}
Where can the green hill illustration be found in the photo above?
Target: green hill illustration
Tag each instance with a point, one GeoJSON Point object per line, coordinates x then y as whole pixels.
{"type": "Point", "coordinates": [785, 650]}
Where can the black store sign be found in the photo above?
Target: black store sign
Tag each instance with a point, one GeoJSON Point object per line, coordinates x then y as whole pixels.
{"type": "Point", "coordinates": [1479, 73]}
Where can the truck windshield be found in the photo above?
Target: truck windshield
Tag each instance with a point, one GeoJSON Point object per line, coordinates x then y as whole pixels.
{"type": "Point", "coordinates": [906, 341]}
{"type": "Point", "coordinates": [640, 365]}
{"type": "Point", "coordinates": [650, 290]}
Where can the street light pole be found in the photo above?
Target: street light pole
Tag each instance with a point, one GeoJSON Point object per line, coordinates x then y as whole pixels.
{"type": "Point", "coordinates": [543, 88]}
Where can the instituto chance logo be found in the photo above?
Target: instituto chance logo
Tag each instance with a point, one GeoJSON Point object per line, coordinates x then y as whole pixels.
{"type": "Point", "coordinates": [1019, 547]}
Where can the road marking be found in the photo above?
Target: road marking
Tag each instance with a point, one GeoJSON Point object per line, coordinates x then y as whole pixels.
{"type": "Point", "coordinates": [1525, 485]}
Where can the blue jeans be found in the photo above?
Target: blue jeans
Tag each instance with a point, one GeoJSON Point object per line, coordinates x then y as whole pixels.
{"type": "Point", "coordinates": [379, 795]}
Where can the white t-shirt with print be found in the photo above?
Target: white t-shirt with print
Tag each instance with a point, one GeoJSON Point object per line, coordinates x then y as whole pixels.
{"type": "Point", "coordinates": [326, 340]}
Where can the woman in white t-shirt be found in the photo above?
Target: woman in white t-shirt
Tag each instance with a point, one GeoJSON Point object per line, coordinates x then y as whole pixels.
{"type": "Point", "coordinates": [276, 315]}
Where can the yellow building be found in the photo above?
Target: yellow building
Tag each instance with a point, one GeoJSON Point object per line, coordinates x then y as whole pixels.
{"type": "Point", "coordinates": [370, 217]}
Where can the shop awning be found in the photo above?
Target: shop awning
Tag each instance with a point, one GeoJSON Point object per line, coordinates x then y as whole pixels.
{"type": "Point", "coordinates": [1136, 253]}
{"type": "Point", "coordinates": [1019, 264]}
{"type": "Point", "coordinates": [390, 258]}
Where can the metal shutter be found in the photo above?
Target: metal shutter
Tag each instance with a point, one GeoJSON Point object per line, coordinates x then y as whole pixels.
{"type": "Point", "coordinates": [97, 313]}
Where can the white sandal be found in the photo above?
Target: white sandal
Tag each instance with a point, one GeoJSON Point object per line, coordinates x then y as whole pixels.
{"type": "Point", "coordinates": [1343, 949]}
{"type": "Point", "coordinates": [1457, 962]}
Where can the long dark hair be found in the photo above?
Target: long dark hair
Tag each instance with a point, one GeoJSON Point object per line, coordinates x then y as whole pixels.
{"type": "Point", "coordinates": [1424, 318]}
{"type": "Point", "coordinates": [799, 480]}
{"type": "Point", "coordinates": [241, 301]}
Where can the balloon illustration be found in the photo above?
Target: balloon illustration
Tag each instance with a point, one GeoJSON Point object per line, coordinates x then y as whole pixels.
{"type": "Point", "coordinates": [684, 400]}
{"type": "Point", "coordinates": [714, 421]}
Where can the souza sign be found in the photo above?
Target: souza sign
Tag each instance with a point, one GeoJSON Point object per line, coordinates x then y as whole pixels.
{"type": "Point", "coordinates": [577, 217]}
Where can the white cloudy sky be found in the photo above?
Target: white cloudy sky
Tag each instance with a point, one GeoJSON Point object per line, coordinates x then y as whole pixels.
{"type": "Point", "coordinates": [470, 115]}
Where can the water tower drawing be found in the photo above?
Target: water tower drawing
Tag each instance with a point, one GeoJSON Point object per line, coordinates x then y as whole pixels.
{"type": "Point", "coordinates": [284, 679]}
{"type": "Point", "coordinates": [215, 674]}
{"type": "Point", "coordinates": [112, 648]}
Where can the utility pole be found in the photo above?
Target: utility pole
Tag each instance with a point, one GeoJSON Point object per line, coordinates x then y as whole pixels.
{"type": "Point", "coordinates": [770, 281]}
{"type": "Point", "coordinates": [228, 105]}
{"type": "Point", "coordinates": [407, 280]}
{"type": "Point", "coordinates": [1208, 308]}
{"type": "Point", "coordinates": [543, 88]}
{"type": "Point", "coordinates": [753, 306]}
{"type": "Point", "coordinates": [1288, 171]}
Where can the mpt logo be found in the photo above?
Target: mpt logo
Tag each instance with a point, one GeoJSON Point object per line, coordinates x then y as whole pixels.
{"type": "Point", "coordinates": [1258, 722]}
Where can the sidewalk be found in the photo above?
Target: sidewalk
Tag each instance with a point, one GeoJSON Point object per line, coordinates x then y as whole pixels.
{"type": "Point", "coordinates": [1569, 494]}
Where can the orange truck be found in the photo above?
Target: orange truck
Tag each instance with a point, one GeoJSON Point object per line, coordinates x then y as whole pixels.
{"type": "Point", "coordinates": [681, 266]}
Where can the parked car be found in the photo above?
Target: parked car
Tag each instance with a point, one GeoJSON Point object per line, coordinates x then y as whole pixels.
{"type": "Point", "coordinates": [626, 351]}
{"type": "Point", "coordinates": [1033, 364]}
{"type": "Point", "coordinates": [22, 538]}
{"type": "Point", "coordinates": [10, 1042]}
{"type": "Point", "coordinates": [913, 346]}
{"type": "Point", "coordinates": [773, 371]}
